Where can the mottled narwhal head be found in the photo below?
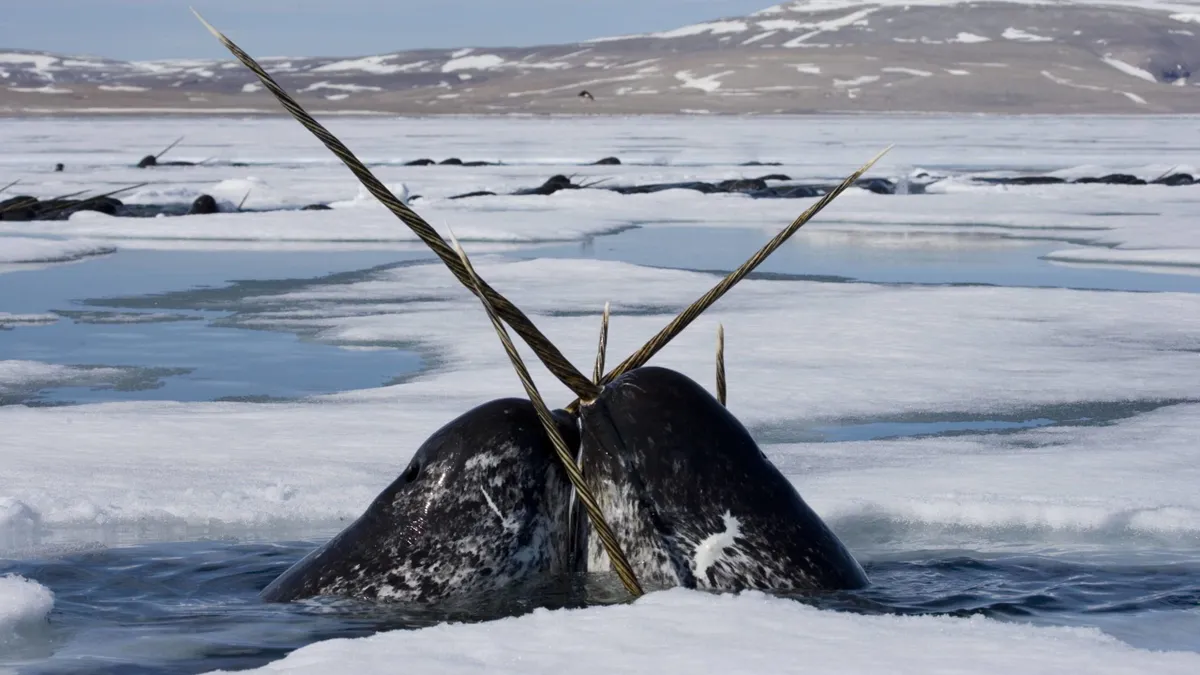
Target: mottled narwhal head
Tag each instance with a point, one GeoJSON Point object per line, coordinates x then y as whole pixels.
{"type": "Point", "coordinates": [694, 500]}
{"type": "Point", "coordinates": [482, 507]}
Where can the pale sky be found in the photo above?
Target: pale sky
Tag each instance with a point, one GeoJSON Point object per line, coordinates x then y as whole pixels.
{"type": "Point", "coordinates": [147, 29]}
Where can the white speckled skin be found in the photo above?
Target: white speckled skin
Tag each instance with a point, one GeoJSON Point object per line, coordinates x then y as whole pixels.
{"type": "Point", "coordinates": [482, 507]}
{"type": "Point", "coordinates": [694, 501]}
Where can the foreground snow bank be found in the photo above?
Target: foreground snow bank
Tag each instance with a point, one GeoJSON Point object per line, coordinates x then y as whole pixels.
{"type": "Point", "coordinates": [682, 631]}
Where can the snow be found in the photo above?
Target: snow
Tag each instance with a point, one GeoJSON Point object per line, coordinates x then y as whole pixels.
{"type": "Point", "coordinates": [759, 37]}
{"type": "Point", "coordinates": [802, 356]}
{"type": "Point", "coordinates": [38, 250]}
{"type": "Point", "coordinates": [375, 65]}
{"type": "Point", "coordinates": [1129, 69]}
{"type": "Point", "coordinates": [1009, 349]}
{"type": "Point", "coordinates": [908, 71]}
{"type": "Point", "coordinates": [1019, 35]}
{"type": "Point", "coordinates": [708, 83]}
{"type": "Point", "coordinates": [1068, 83]}
{"type": "Point", "coordinates": [1174, 258]}
{"type": "Point", "coordinates": [340, 87]}
{"type": "Point", "coordinates": [861, 80]}
{"type": "Point", "coordinates": [41, 64]}
{"type": "Point", "coordinates": [44, 89]}
{"type": "Point", "coordinates": [474, 62]}
{"type": "Point", "coordinates": [712, 28]}
{"type": "Point", "coordinates": [10, 319]}
{"type": "Point", "coordinates": [831, 25]}
{"type": "Point", "coordinates": [783, 24]}
{"type": "Point", "coordinates": [1185, 8]}
{"type": "Point", "coordinates": [360, 221]}
{"type": "Point", "coordinates": [120, 87]}
{"type": "Point", "coordinates": [970, 38]}
{"type": "Point", "coordinates": [23, 603]}
{"type": "Point", "coordinates": [17, 376]}
{"type": "Point", "coordinates": [745, 634]}
{"type": "Point", "coordinates": [539, 148]}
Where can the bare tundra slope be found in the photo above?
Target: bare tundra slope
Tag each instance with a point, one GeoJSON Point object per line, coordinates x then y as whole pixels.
{"type": "Point", "coordinates": [1005, 56]}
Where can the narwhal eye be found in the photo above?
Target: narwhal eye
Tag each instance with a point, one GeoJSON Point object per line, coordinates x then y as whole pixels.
{"type": "Point", "coordinates": [412, 472]}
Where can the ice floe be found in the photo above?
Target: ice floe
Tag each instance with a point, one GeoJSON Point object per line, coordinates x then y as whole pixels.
{"type": "Point", "coordinates": [31, 250]}
{"type": "Point", "coordinates": [745, 634]}
{"type": "Point", "coordinates": [24, 604]}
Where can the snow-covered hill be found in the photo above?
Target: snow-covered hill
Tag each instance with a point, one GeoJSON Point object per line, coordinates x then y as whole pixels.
{"type": "Point", "coordinates": [811, 55]}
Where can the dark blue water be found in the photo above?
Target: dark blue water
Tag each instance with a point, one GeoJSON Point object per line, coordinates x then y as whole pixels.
{"type": "Point", "coordinates": [189, 608]}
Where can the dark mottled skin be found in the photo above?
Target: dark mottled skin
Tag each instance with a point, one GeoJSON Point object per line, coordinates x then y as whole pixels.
{"type": "Point", "coordinates": [433, 536]}
{"type": "Point", "coordinates": [667, 462]}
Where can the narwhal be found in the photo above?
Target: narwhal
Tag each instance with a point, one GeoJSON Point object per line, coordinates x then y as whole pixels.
{"type": "Point", "coordinates": [675, 489]}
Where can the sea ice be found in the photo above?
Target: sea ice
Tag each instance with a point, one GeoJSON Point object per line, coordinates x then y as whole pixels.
{"type": "Point", "coordinates": [30, 250]}
{"type": "Point", "coordinates": [24, 605]}
{"type": "Point", "coordinates": [680, 631]}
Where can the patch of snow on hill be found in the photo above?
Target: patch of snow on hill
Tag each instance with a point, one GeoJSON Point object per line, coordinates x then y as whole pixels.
{"type": "Point", "coordinates": [708, 83]}
{"type": "Point", "coordinates": [907, 71]}
{"type": "Point", "coordinates": [858, 81]}
{"type": "Point", "coordinates": [38, 63]}
{"type": "Point", "coordinates": [969, 38]}
{"type": "Point", "coordinates": [760, 36]}
{"type": "Point", "coordinates": [712, 28]}
{"type": "Point", "coordinates": [477, 62]}
{"type": "Point", "coordinates": [1183, 7]}
{"type": "Point", "coordinates": [340, 87]}
{"type": "Point", "coordinates": [1129, 69]}
{"type": "Point", "coordinates": [830, 26]}
{"type": "Point", "coordinates": [1019, 35]}
{"type": "Point", "coordinates": [369, 64]}
{"type": "Point", "coordinates": [44, 89]}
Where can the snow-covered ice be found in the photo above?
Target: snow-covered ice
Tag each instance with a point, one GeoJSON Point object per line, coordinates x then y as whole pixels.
{"type": "Point", "coordinates": [31, 250]}
{"type": "Point", "coordinates": [1112, 372]}
{"type": "Point", "coordinates": [746, 634]}
{"type": "Point", "coordinates": [801, 354]}
{"type": "Point", "coordinates": [24, 604]}
{"type": "Point", "coordinates": [10, 319]}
